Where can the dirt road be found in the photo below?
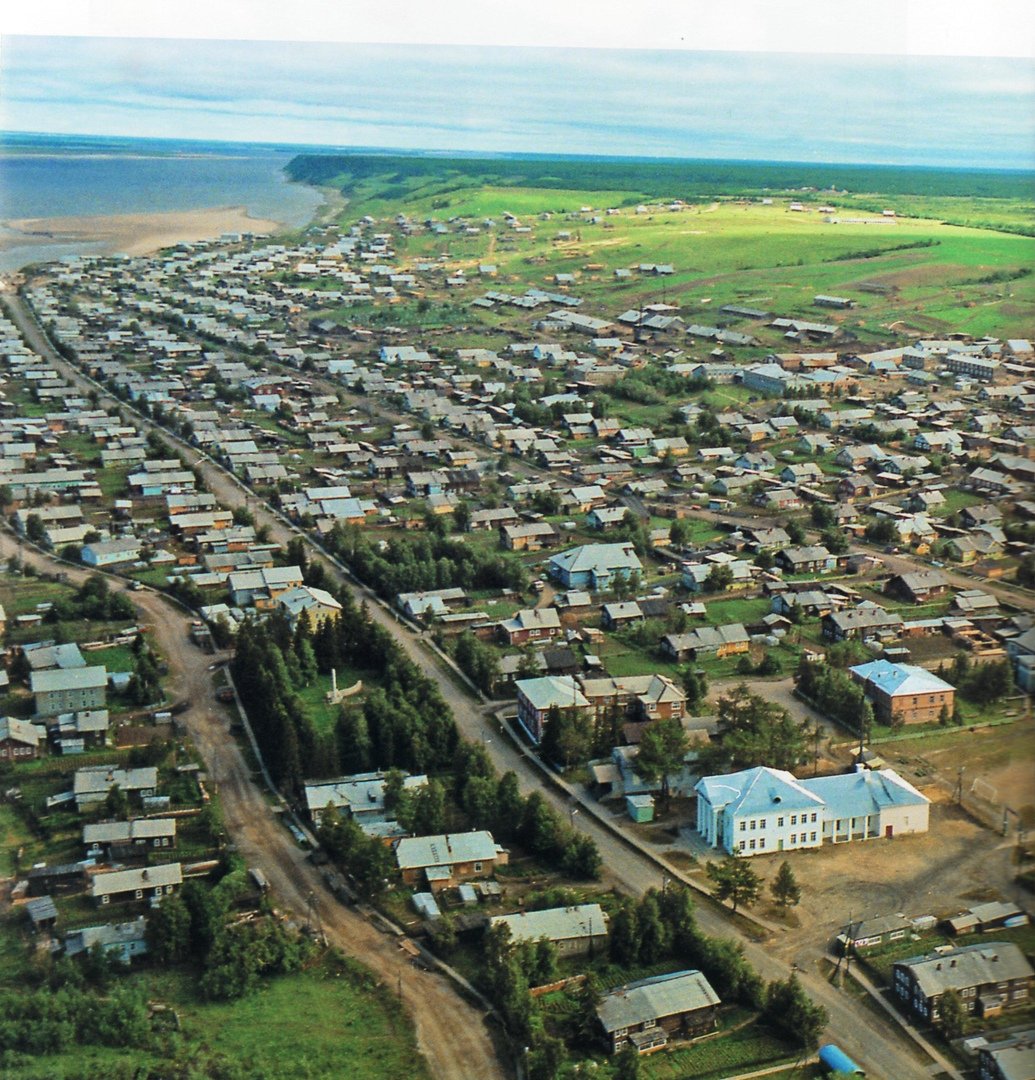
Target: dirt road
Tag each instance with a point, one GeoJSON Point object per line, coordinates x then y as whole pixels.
{"type": "Point", "coordinates": [452, 1034]}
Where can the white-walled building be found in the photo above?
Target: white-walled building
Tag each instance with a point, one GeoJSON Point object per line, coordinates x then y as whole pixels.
{"type": "Point", "coordinates": [763, 810]}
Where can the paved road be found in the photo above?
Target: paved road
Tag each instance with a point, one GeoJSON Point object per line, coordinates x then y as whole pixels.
{"type": "Point", "coordinates": [868, 1040]}
{"type": "Point", "coordinates": [451, 1034]}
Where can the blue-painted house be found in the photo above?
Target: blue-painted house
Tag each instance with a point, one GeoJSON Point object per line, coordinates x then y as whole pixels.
{"type": "Point", "coordinates": [594, 566]}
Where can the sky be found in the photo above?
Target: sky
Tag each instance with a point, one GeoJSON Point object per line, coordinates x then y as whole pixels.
{"type": "Point", "coordinates": [777, 82]}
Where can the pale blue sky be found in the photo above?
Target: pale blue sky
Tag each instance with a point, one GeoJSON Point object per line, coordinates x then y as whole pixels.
{"type": "Point", "coordinates": [881, 109]}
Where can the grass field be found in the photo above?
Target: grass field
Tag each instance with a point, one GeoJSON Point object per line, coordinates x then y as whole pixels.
{"type": "Point", "coordinates": [302, 1025]}
{"type": "Point", "coordinates": [969, 275]}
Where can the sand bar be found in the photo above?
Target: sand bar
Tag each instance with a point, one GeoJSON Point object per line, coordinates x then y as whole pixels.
{"type": "Point", "coordinates": [135, 234]}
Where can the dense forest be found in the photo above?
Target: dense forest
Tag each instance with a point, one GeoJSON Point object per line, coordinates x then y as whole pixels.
{"type": "Point", "coordinates": [659, 177]}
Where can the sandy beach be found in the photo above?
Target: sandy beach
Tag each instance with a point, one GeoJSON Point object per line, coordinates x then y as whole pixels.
{"type": "Point", "coordinates": [133, 234]}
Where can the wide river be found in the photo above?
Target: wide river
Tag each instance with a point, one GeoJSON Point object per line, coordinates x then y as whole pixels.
{"type": "Point", "coordinates": [62, 176]}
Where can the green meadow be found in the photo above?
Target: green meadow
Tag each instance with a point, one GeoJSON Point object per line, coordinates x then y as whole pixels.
{"type": "Point", "coordinates": [949, 262]}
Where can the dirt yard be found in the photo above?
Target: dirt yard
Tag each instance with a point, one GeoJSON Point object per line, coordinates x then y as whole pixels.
{"type": "Point", "coordinates": [956, 864]}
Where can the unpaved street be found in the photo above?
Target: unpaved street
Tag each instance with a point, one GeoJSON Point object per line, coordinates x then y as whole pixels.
{"type": "Point", "coordinates": [452, 1034]}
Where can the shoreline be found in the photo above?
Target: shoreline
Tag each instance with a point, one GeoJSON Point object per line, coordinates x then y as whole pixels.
{"type": "Point", "coordinates": [132, 234]}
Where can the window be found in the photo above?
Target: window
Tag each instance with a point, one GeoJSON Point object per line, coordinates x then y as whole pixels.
{"type": "Point", "coordinates": [648, 1024]}
{"type": "Point", "coordinates": [779, 822]}
{"type": "Point", "coordinates": [794, 837]}
{"type": "Point", "coordinates": [477, 867]}
{"type": "Point", "coordinates": [752, 845]}
{"type": "Point", "coordinates": [740, 847]}
{"type": "Point", "coordinates": [761, 823]}
{"type": "Point", "coordinates": [105, 899]}
{"type": "Point", "coordinates": [753, 824]}
{"type": "Point", "coordinates": [812, 836]}
{"type": "Point", "coordinates": [813, 819]}
{"type": "Point", "coordinates": [139, 894]}
{"type": "Point", "coordinates": [794, 819]}
{"type": "Point", "coordinates": [743, 826]}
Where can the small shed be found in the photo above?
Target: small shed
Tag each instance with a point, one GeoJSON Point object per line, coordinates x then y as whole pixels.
{"type": "Point", "coordinates": [426, 905]}
{"type": "Point", "coordinates": [468, 895]}
{"type": "Point", "coordinates": [640, 808]}
{"type": "Point", "coordinates": [42, 912]}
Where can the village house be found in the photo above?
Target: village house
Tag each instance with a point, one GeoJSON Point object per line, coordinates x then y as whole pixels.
{"type": "Point", "coordinates": [528, 536]}
{"type": "Point", "coordinates": [648, 1012]}
{"type": "Point", "coordinates": [120, 940]}
{"type": "Point", "coordinates": [442, 862]}
{"type": "Point", "coordinates": [128, 839]}
{"type": "Point", "coordinates": [262, 588]}
{"type": "Point", "coordinates": [594, 566]}
{"type": "Point", "coordinates": [903, 693]}
{"type": "Point", "coordinates": [989, 977]}
{"type": "Point", "coordinates": [149, 883]}
{"type": "Point", "coordinates": [919, 586]}
{"type": "Point", "coordinates": [91, 785]}
{"type": "Point", "coordinates": [574, 931]}
{"type": "Point", "coordinates": [531, 625]}
{"type": "Point", "coordinates": [19, 740]}
{"type": "Point", "coordinates": [1011, 1057]}
{"type": "Point", "coordinates": [706, 641]}
{"type": "Point", "coordinates": [361, 797]}
{"type": "Point", "coordinates": [308, 604]}
{"type": "Point", "coordinates": [864, 621]}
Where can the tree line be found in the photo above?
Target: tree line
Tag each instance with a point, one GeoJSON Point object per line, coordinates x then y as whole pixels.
{"type": "Point", "coordinates": [419, 562]}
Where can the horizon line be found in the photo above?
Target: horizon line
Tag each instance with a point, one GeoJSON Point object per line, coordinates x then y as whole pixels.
{"type": "Point", "coordinates": [388, 151]}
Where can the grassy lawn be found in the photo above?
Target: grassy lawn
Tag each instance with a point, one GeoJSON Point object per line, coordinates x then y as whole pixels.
{"type": "Point", "coordinates": [13, 835]}
{"type": "Point", "coordinates": [743, 609]}
{"type": "Point", "coordinates": [725, 1055]}
{"type": "Point", "coordinates": [114, 657]}
{"type": "Point", "coordinates": [323, 715]}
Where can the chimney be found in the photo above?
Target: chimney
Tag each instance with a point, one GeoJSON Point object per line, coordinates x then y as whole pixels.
{"type": "Point", "coordinates": [334, 680]}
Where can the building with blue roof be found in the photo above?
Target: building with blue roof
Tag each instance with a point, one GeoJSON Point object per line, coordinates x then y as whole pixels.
{"type": "Point", "coordinates": [904, 693]}
{"type": "Point", "coordinates": [761, 810]}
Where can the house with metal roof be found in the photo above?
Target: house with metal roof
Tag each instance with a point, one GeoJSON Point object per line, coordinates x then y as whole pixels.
{"type": "Point", "coordinates": [648, 1012]}
{"type": "Point", "coordinates": [19, 740]}
{"type": "Point", "coordinates": [904, 693]}
{"type": "Point", "coordinates": [92, 784]}
{"type": "Point", "coordinates": [122, 839]}
{"type": "Point", "coordinates": [531, 624]}
{"type": "Point", "coordinates": [1009, 1058]}
{"type": "Point", "coordinates": [312, 605]}
{"type": "Point", "coordinates": [261, 588]}
{"type": "Point", "coordinates": [989, 977]}
{"type": "Point", "coordinates": [146, 883]}
{"type": "Point", "coordinates": [58, 690]}
{"type": "Point", "coordinates": [124, 940]}
{"type": "Point", "coordinates": [444, 861]}
{"type": "Point", "coordinates": [594, 566]}
{"type": "Point", "coordinates": [706, 641]}
{"type": "Point", "coordinates": [361, 796]}
{"type": "Point", "coordinates": [536, 697]}
{"type": "Point", "coordinates": [574, 931]}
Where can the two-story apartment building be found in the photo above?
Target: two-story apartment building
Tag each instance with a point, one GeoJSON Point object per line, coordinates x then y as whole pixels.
{"type": "Point", "coordinates": [904, 693]}
{"type": "Point", "coordinates": [989, 977]}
